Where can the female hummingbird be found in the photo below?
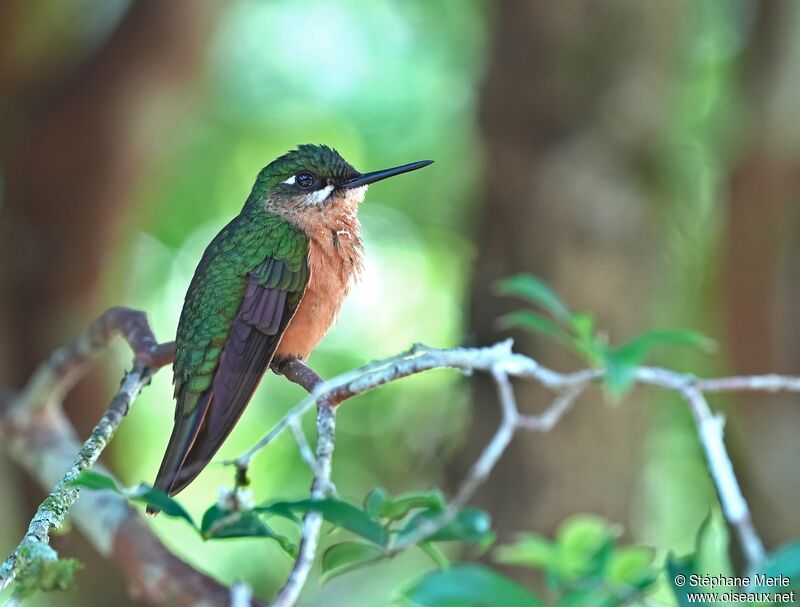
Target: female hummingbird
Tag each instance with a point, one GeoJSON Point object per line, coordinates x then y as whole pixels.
{"type": "Point", "coordinates": [269, 286]}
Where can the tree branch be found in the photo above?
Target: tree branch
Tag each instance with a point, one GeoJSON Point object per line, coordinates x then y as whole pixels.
{"type": "Point", "coordinates": [35, 545]}
{"type": "Point", "coordinates": [503, 363]}
{"type": "Point", "coordinates": [296, 370]}
{"type": "Point", "coordinates": [38, 436]}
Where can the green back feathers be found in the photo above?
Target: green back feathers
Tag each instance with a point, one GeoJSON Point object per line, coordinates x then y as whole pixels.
{"type": "Point", "coordinates": [245, 245]}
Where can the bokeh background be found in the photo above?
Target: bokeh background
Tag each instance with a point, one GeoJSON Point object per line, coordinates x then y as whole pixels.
{"type": "Point", "coordinates": [641, 156]}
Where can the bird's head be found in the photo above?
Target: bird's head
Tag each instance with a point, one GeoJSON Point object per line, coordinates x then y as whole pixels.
{"type": "Point", "coordinates": [316, 176]}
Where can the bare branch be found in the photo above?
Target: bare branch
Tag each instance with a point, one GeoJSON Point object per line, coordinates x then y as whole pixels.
{"type": "Point", "coordinates": [58, 374]}
{"type": "Point", "coordinates": [302, 445]}
{"type": "Point", "coordinates": [24, 417]}
{"type": "Point", "coordinates": [503, 363]}
{"type": "Point", "coordinates": [241, 595]}
{"type": "Point", "coordinates": [321, 486]}
{"type": "Point", "coordinates": [549, 418]}
{"type": "Point", "coordinates": [756, 383]}
{"type": "Point", "coordinates": [710, 428]}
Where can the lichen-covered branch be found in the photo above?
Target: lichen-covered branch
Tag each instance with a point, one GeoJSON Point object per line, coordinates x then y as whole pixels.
{"type": "Point", "coordinates": [56, 376]}
{"type": "Point", "coordinates": [35, 545]}
{"type": "Point", "coordinates": [37, 435]}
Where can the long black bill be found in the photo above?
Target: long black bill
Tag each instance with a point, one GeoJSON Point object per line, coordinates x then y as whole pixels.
{"type": "Point", "coordinates": [374, 176]}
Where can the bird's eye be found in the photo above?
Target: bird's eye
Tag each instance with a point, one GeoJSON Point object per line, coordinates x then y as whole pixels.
{"type": "Point", "coordinates": [305, 180]}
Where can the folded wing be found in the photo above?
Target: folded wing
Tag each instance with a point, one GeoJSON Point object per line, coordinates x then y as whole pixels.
{"type": "Point", "coordinates": [273, 292]}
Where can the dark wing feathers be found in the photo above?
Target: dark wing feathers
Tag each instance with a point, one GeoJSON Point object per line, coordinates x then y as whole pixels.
{"type": "Point", "coordinates": [262, 308]}
{"type": "Point", "coordinates": [240, 371]}
{"type": "Point", "coordinates": [272, 294]}
{"type": "Point", "coordinates": [184, 433]}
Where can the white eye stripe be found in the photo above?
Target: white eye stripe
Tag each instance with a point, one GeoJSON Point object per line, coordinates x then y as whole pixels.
{"type": "Point", "coordinates": [319, 196]}
{"type": "Point", "coordinates": [289, 181]}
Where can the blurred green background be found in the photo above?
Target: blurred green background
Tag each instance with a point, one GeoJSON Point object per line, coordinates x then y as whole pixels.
{"type": "Point", "coordinates": [642, 157]}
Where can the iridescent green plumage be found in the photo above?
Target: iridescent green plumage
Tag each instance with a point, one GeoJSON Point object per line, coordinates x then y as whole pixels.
{"type": "Point", "coordinates": [257, 253]}
{"type": "Point", "coordinates": [217, 290]}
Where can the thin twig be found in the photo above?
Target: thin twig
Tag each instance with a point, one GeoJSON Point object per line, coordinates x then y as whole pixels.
{"type": "Point", "coordinates": [312, 523]}
{"type": "Point", "coordinates": [67, 364]}
{"type": "Point", "coordinates": [241, 594]}
{"type": "Point", "coordinates": [549, 418]}
{"type": "Point", "coordinates": [710, 428]}
{"type": "Point", "coordinates": [480, 469]}
{"type": "Point", "coordinates": [302, 445]}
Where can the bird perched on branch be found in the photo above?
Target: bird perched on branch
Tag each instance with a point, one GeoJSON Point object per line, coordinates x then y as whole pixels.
{"type": "Point", "coordinates": [268, 287]}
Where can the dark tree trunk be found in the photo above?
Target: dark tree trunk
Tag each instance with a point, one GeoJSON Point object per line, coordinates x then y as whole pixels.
{"type": "Point", "coordinates": [761, 272]}
{"type": "Point", "coordinates": [571, 107]}
{"type": "Point", "coordinates": [72, 155]}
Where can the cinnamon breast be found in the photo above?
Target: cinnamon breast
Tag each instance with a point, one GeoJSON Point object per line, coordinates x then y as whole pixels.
{"type": "Point", "coordinates": [335, 259]}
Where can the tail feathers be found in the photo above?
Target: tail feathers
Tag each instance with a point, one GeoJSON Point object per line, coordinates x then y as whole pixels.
{"type": "Point", "coordinates": [184, 435]}
{"type": "Point", "coordinates": [244, 361]}
{"type": "Point", "coordinates": [198, 435]}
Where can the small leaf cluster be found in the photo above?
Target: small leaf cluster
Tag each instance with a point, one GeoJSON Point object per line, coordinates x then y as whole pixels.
{"type": "Point", "coordinates": [380, 523]}
{"type": "Point", "coordinates": [399, 517]}
{"type": "Point", "coordinates": [576, 331]}
{"type": "Point", "coordinates": [582, 566]}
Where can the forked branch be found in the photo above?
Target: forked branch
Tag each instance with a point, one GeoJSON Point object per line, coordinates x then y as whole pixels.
{"type": "Point", "coordinates": [38, 436]}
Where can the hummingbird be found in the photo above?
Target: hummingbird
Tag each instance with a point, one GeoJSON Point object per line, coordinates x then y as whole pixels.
{"type": "Point", "coordinates": [267, 288]}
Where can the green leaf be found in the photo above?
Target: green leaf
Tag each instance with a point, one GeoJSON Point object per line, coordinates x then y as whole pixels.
{"type": "Point", "coordinates": [531, 321]}
{"type": "Point", "coordinates": [468, 586]}
{"type": "Point", "coordinates": [783, 562]}
{"type": "Point", "coordinates": [221, 524]}
{"type": "Point", "coordinates": [593, 596]}
{"type": "Point", "coordinates": [538, 292]}
{"type": "Point", "coordinates": [585, 544]}
{"type": "Point", "coordinates": [469, 525]}
{"type": "Point", "coordinates": [337, 512]}
{"type": "Point", "coordinates": [378, 504]}
{"type": "Point", "coordinates": [637, 348]}
{"type": "Point", "coordinates": [436, 555]}
{"type": "Point", "coordinates": [712, 546]}
{"type": "Point", "coordinates": [585, 342]}
{"type": "Point", "coordinates": [711, 556]}
{"type": "Point", "coordinates": [582, 325]}
{"type": "Point", "coordinates": [621, 362]}
{"type": "Point", "coordinates": [375, 501]}
{"type": "Point", "coordinates": [530, 550]}
{"type": "Point", "coordinates": [347, 556]}
{"type": "Point", "coordinates": [620, 372]}
{"type": "Point", "coordinates": [94, 480]}
{"type": "Point", "coordinates": [679, 575]}
{"type": "Point", "coordinates": [278, 509]}
{"type": "Point", "coordinates": [585, 532]}
{"type": "Point", "coordinates": [485, 543]}
{"type": "Point", "coordinates": [633, 566]}
{"type": "Point", "coordinates": [145, 494]}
